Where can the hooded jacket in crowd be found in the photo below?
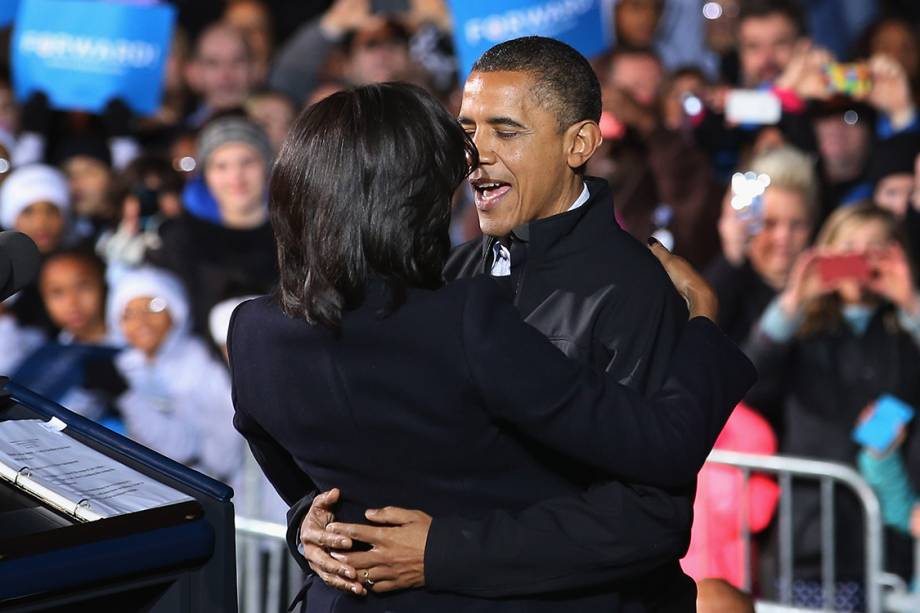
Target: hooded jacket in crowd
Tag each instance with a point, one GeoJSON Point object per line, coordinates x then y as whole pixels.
{"type": "Point", "coordinates": [179, 402]}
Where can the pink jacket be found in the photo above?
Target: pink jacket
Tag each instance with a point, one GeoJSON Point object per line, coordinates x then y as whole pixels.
{"type": "Point", "coordinates": [716, 547]}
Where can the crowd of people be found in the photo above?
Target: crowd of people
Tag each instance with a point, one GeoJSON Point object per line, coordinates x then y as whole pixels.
{"type": "Point", "coordinates": [153, 229]}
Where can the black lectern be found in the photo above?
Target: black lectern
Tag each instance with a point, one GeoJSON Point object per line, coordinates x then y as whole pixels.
{"type": "Point", "coordinates": [175, 558]}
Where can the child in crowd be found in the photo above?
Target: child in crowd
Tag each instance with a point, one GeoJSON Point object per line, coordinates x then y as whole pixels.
{"type": "Point", "coordinates": [178, 398]}
{"type": "Point", "coordinates": [34, 200]}
{"type": "Point", "coordinates": [76, 369]}
{"type": "Point", "coordinates": [827, 347]}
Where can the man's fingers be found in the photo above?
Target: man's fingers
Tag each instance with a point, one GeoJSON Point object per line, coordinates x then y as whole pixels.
{"type": "Point", "coordinates": [391, 515]}
{"type": "Point", "coordinates": [341, 584]}
{"type": "Point", "coordinates": [321, 560]}
{"type": "Point", "coordinates": [380, 587]}
{"type": "Point", "coordinates": [325, 538]}
{"type": "Point", "coordinates": [383, 579]}
{"type": "Point", "coordinates": [358, 532]}
{"type": "Point", "coordinates": [327, 499]}
{"type": "Point", "coordinates": [360, 559]}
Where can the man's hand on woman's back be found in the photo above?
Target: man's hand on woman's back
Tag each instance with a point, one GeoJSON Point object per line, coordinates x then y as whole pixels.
{"type": "Point", "coordinates": [395, 561]}
{"type": "Point", "coordinates": [318, 543]}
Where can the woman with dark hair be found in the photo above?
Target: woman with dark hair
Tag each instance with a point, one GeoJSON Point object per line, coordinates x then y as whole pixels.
{"type": "Point", "coordinates": [366, 372]}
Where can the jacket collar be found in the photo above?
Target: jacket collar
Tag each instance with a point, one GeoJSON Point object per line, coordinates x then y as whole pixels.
{"type": "Point", "coordinates": [542, 234]}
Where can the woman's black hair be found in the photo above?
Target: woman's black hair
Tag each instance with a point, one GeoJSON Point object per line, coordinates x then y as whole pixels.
{"type": "Point", "coordinates": [362, 186]}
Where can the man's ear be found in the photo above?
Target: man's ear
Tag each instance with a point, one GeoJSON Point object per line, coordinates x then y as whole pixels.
{"type": "Point", "coordinates": [581, 141]}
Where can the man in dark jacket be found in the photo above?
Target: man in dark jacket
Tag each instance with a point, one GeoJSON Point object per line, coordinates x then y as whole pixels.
{"type": "Point", "coordinates": [531, 107]}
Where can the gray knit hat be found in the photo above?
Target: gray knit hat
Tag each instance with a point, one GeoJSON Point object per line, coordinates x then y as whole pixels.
{"type": "Point", "coordinates": [232, 130]}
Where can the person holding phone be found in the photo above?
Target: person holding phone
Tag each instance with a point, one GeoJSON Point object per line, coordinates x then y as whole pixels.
{"type": "Point", "coordinates": [372, 33]}
{"type": "Point", "coordinates": [843, 333]}
{"type": "Point", "coordinates": [148, 192]}
{"type": "Point", "coordinates": [761, 240]}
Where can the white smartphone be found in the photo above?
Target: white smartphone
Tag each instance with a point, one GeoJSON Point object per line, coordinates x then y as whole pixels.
{"type": "Point", "coordinates": [751, 106]}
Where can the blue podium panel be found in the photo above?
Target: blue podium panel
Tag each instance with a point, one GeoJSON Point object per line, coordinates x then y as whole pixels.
{"type": "Point", "coordinates": [179, 557]}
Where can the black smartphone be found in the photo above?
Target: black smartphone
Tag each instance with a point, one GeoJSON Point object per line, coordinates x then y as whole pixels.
{"type": "Point", "coordinates": [389, 7]}
{"type": "Point", "coordinates": [149, 200]}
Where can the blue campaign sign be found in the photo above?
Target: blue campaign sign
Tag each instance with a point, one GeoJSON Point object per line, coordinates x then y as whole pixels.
{"type": "Point", "coordinates": [479, 25]}
{"type": "Point", "coordinates": [84, 53]}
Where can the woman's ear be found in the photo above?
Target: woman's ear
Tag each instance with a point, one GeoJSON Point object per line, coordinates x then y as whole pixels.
{"type": "Point", "coordinates": [581, 141]}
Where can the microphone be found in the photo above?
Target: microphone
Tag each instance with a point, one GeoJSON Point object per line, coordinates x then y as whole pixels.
{"type": "Point", "coordinates": [19, 262]}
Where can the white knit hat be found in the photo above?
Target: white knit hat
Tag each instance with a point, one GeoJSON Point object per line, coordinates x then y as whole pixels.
{"type": "Point", "coordinates": [30, 184]}
{"type": "Point", "coordinates": [155, 283]}
{"type": "Point", "coordinates": [219, 318]}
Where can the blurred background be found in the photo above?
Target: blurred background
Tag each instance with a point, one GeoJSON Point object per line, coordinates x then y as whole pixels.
{"type": "Point", "coordinates": [772, 143]}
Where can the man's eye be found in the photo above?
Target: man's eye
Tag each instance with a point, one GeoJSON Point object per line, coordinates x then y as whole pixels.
{"type": "Point", "coordinates": [501, 134]}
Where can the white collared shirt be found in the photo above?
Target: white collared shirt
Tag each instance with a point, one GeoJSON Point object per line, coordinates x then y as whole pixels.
{"type": "Point", "coordinates": [501, 256]}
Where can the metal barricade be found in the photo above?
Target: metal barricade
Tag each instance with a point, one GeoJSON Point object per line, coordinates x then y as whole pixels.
{"type": "Point", "coordinates": [883, 591]}
{"type": "Point", "coordinates": [261, 562]}
{"type": "Point", "coordinates": [267, 577]}
{"type": "Point", "coordinates": [262, 551]}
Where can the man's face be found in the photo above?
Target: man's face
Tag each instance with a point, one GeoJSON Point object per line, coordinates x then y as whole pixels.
{"type": "Point", "coordinates": [844, 146]}
{"type": "Point", "coordinates": [235, 175]}
{"type": "Point", "coordinates": [639, 75]}
{"type": "Point", "coordinates": [253, 20]}
{"type": "Point", "coordinates": [765, 47]}
{"type": "Point", "coordinates": [224, 68]}
{"type": "Point", "coordinates": [522, 162]}
{"type": "Point", "coordinates": [376, 57]}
